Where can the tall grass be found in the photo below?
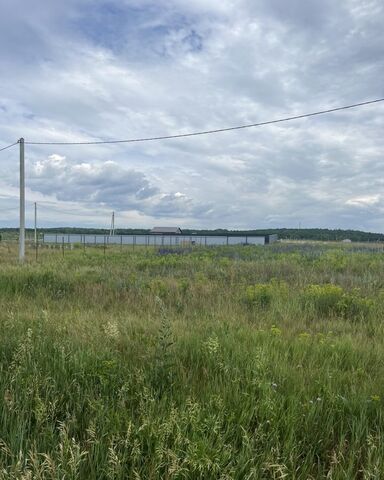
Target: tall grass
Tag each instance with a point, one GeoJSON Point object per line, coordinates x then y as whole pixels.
{"type": "Point", "coordinates": [227, 363]}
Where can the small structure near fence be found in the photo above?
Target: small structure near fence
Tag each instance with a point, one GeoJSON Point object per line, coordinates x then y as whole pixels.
{"type": "Point", "coordinates": [159, 240]}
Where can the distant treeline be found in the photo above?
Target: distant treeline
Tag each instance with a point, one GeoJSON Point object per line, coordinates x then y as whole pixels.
{"type": "Point", "coordinates": [324, 234]}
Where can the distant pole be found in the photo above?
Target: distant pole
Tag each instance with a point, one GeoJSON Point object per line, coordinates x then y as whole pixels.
{"type": "Point", "coordinates": [36, 230]}
{"type": "Point", "coordinates": [22, 203]}
{"type": "Point", "coordinates": [35, 223]}
{"type": "Point", "coordinates": [112, 230]}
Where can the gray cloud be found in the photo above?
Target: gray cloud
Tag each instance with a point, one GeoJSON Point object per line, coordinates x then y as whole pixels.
{"type": "Point", "coordinates": [124, 69]}
{"type": "Point", "coordinates": [101, 183]}
{"type": "Point", "coordinates": [107, 184]}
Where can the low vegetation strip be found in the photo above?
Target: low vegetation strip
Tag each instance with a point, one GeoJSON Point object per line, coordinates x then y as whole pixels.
{"type": "Point", "coordinates": [221, 363]}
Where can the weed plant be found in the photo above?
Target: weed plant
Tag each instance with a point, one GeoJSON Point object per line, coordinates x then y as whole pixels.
{"type": "Point", "coordinates": [223, 363]}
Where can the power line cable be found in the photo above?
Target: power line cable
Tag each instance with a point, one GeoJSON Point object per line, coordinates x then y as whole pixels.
{"type": "Point", "coordinates": [218, 130]}
{"type": "Point", "coordinates": [205, 132]}
{"type": "Point", "coordinates": [8, 146]}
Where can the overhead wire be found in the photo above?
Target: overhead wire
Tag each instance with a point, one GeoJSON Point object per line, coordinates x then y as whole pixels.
{"type": "Point", "coordinates": [208, 132]}
{"type": "Point", "coordinates": [9, 146]}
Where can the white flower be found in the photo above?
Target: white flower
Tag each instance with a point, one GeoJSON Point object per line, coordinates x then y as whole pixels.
{"type": "Point", "coordinates": [111, 330]}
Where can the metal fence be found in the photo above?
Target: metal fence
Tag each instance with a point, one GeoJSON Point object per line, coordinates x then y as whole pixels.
{"type": "Point", "coordinates": [158, 240]}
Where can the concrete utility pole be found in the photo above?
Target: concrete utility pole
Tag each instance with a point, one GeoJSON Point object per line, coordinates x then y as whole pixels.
{"type": "Point", "coordinates": [22, 203]}
{"type": "Point", "coordinates": [112, 230]}
{"type": "Point", "coordinates": [35, 223]}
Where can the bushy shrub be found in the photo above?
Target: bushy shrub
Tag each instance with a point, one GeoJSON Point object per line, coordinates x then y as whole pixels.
{"type": "Point", "coordinates": [323, 298]}
{"type": "Point", "coordinates": [159, 288]}
{"type": "Point", "coordinates": [329, 299]}
{"type": "Point", "coordinates": [337, 260]}
{"type": "Point", "coordinates": [184, 286]}
{"type": "Point", "coordinates": [354, 306]}
{"type": "Point", "coordinates": [262, 294]}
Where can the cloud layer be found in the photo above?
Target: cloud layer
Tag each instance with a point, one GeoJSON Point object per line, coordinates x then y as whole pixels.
{"type": "Point", "coordinates": [83, 70]}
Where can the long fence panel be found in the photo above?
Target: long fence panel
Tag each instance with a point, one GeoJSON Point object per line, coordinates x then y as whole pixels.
{"type": "Point", "coordinates": [158, 240]}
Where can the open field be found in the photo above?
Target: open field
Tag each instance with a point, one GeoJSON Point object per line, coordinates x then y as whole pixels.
{"type": "Point", "coordinates": [227, 363]}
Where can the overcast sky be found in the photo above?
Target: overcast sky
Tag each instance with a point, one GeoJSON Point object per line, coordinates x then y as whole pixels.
{"type": "Point", "coordinates": [80, 70]}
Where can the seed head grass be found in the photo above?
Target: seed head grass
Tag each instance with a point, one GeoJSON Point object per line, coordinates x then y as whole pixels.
{"type": "Point", "coordinates": [221, 363]}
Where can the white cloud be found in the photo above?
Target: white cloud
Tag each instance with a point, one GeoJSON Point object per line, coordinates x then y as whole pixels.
{"type": "Point", "coordinates": [364, 201]}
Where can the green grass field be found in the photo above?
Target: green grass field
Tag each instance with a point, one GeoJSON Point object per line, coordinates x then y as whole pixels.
{"type": "Point", "coordinates": [227, 363]}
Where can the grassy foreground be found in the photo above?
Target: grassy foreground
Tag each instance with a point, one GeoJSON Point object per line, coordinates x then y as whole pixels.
{"type": "Point", "coordinates": [227, 363]}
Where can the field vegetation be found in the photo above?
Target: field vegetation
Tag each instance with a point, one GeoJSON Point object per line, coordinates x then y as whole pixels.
{"type": "Point", "coordinates": [222, 363]}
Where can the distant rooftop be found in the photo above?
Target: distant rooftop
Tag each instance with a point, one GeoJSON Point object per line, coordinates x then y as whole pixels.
{"type": "Point", "coordinates": [166, 231]}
